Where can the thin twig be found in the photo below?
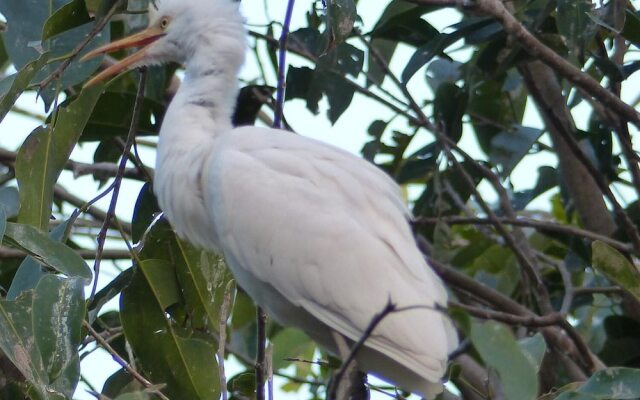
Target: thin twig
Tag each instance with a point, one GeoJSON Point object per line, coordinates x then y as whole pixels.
{"type": "Point", "coordinates": [532, 321]}
{"type": "Point", "coordinates": [282, 61]}
{"type": "Point", "coordinates": [375, 321]}
{"type": "Point", "coordinates": [260, 367]}
{"type": "Point", "coordinates": [530, 270]}
{"type": "Point", "coordinates": [61, 193]}
{"type": "Point", "coordinates": [105, 345]}
{"type": "Point", "coordinates": [598, 290]}
{"type": "Point", "coordinates": [543, 226]}
{"type": "Point", "coordinates": [137, 107]}
{"type": "Point", "coordinates": [10, 253]}
{"type": "Point", "coordinates": [74, 53]}
{"type": "Point", "coordinates": [97, 170]}
{"type": "Point", "coordinates": [222, 340]}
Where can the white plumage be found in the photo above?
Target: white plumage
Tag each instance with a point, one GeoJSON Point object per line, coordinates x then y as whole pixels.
{"type": "Point", "coordinates": [318, 237]}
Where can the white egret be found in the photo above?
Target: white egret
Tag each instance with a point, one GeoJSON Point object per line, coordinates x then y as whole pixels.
{"type": "Point", "coordinates": [317, 236]}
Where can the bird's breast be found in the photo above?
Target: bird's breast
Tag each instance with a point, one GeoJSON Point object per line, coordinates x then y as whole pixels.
{"type": "Point", "coordinates": [180, 186]}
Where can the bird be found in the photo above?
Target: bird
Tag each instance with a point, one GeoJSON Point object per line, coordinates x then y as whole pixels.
{"type": "Point", "coordinates": [317, 236]}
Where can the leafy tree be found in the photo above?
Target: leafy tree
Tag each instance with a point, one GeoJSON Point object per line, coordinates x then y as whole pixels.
{"type": "Point", "coordinates": [541, 257]}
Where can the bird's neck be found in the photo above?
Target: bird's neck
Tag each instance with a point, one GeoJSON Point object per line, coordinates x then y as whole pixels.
{"type": "Point", "coordinates": [199, 114]}
{"type": "Point", "coordinates": [202, 108]}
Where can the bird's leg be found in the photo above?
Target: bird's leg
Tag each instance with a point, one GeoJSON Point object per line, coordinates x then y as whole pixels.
{"type": "Point", "coordinates": [352, 384]}
{"type": "Point", "coordinates": [341, 343]}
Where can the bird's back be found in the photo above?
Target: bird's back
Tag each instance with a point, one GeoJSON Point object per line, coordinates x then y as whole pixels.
{"type": "Point", "coordinates": [321, 239]}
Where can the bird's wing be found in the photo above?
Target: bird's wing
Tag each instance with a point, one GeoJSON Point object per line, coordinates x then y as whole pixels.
{"type": "Point", "coordinates": [329, 232]}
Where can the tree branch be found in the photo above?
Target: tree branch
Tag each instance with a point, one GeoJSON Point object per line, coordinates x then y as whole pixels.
{"type": "Point", "coordinates": [346, 363]}
{"type": "Point", "coordinates": [543, 226]}
{"type": "Point", "coordinates": [576, 350]}
{"type": "Point", "coordinates": [621, 216]}
{"type": "Point", "coordinates": [539, 50]}
{"type": "Point", "coordinates": [97, 170]}
{"type": "Point", "coordinates": [88, 254]}
{"type": "Point", "coordinates": [260, 365]}
{"type": "Point", "coordinates": [137, 107]}
{"type": "Point", "coordinates": [105, 345]}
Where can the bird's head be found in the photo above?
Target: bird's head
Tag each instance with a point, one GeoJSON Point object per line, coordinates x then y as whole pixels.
{"type": "Point", "coordinates": [182, 31]}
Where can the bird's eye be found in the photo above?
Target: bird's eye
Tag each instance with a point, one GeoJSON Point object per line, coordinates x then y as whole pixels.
{"type": "Point", "coordinates": [164, 22]}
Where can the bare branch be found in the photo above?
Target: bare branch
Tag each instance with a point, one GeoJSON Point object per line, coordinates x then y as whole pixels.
{"type": "Point", "coordinates": [549, 226]}
{"type": "Point", "coordinates": [346, 363]}
{"type": "Point", "coordinates": [282, 61]}
{"type": "Point", "coordinates": [260, 365]}
{"type": "Point", "coordinates": [10, 253]}
{"type": "Point", "coordinates": [222, 340]}
{"type": "Point", "coordinates": [137, 107]}
{"type": "Point", "coordinates": [574, 347]}
{"type": "Point", "coordinates": [155, 389]}
{"type": "Point", "coordinates": [532, 321]}
{"type": "Point", "coordinates": [64, 195]}
{"type": "Point", "coordinates": [621, 216]}
{"type": "Point", "coordinates": [101, 170]}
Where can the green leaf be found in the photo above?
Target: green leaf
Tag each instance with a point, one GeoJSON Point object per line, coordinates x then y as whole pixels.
{"type": "Point", "coordinates": [18, 344]}
{"type": "Point", "coordinates": [10, 201]}
{"type": "Point", "coordinates": [534, 348]}
{"type": "Point", "coordinates": [449, 108]}
{"type": "Point", "coordinates": [111, 116]}
{"type": "Point", "coordinates": [573, 22]}
{"type": "Point", "coordinates": [442, 71]}
{"type": "Point", "coordinates": [289, 343]}
{"type": "Point", "coordinates": [438, 44]}
{"type": "Point", "coordinates": [400, 22]}
{"type": "Point", "coordinates": [509, 147]}
{"type": "Point", "coordinates": [41, 334]}
{"type": "Point", "coordinates": [3, 222]}
{"type": "Point", "coordinates": [47, 251]}
{"type": "Point", "coordinates": [187, 366]}
{"type": "Point", "coordinates": [23, 40]}
{"type": "Point", "coordinates": [111, 290]}
{"type": "Point", "coordinates": [58, 311]}
{"type": "Point", "coordinates": [631, 30]}
{"type": "Point", "coordinates": [403, 22]}
{"type": "Point", "coordinates": [497, 267]}
{"type": "Point", "coordinates": [622, 343]}
{"type": "Point", "coordinates": [44, 153]}
{"type": "Point", "coordinates": [494, 106]}
{"type": "Point", "coordinates": [547, 180]}
{"type": "Point", "coordinates": [499, 349]}
{"type": "Point", "coordinates": [616, 267]}
{"type": "Point", "coordinates": [71, 15]}
{"type": "Point", "coordinates": [20, 81]}
{"type": "Point", "coordinates": [340, 17]}
{"type": "Point", "coordinates": [615, 383]}
{"type": "Point", "coordinates": [144, 212]}
{"type": "Point", "coordinates": [26, 278]}
{"type": "Point", "coordinates": [121, 382]}
{"type": "Point", "coordinates": [30, 271]}
{"type": "Point", "coordinates": [204, 279]}
{"type": "Point", "coordinates": [161, 276]}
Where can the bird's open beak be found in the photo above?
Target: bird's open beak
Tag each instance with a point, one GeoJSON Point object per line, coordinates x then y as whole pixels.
{"type": "Point", "coordinates": [141, 39]}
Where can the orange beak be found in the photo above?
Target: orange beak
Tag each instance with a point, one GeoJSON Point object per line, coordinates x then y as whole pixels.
{"type": "Point", "coordinates": [141, 39]}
